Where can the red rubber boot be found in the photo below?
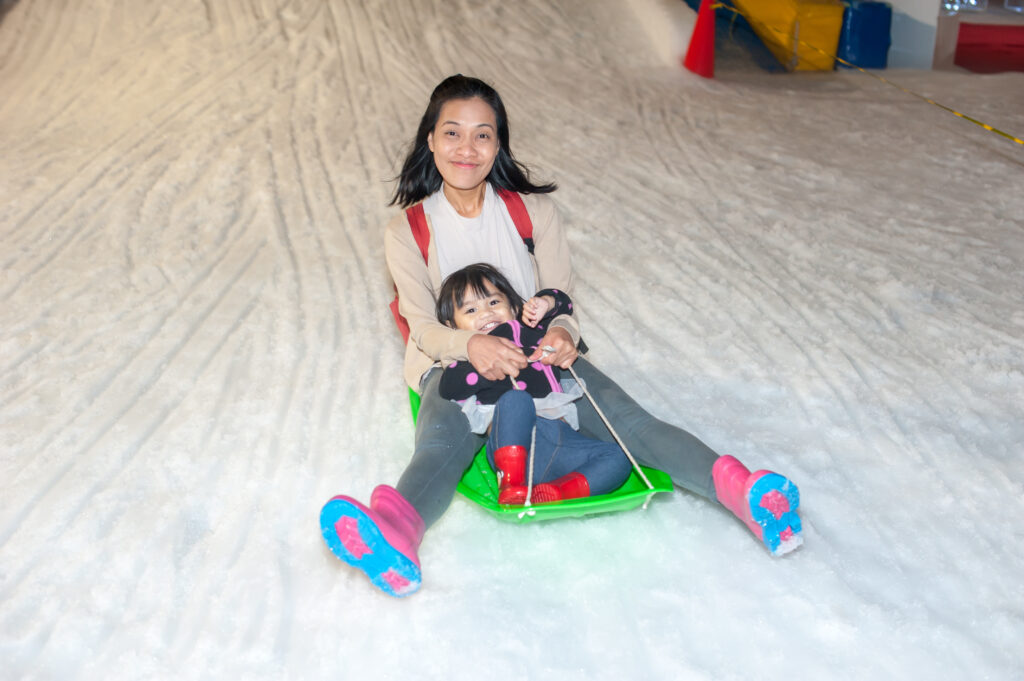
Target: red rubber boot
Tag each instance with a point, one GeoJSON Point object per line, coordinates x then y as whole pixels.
{"type": "Point", "coordinates": [572, 486]}
{"type": "Point", "coordinates": [511, 464]}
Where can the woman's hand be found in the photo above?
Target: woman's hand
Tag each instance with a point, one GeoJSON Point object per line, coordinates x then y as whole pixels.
{"type": "Point", "coordinates": [565, 350]}
{"type": "Point", "coordinates": [495, 358]}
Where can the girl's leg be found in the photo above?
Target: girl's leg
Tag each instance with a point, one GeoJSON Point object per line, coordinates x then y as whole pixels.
{"type": "Point", "coordinates": [445, 448]}
{"type": "Point", "coordinates": [685, 458]}
{"type": "Point", "coordinates": [514, 416]}
{"type": "Point", "coordinates": [561, 451]}
{"type": "Point", "coordinates": [508, 447]}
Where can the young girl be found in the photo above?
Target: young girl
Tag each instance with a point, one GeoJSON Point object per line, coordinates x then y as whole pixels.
{"type": "Point", "coordinates": [566, 465]}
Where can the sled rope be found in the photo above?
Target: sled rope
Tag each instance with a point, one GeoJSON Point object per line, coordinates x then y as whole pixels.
{"type": "Point", "coordinates": [985, 126]}
{"type": "Point", "coordinates": [607, 423]}
{"type": "Point", "coordinates": [529, 480]}
{"type": "Point", "coordinates": [527, 510]}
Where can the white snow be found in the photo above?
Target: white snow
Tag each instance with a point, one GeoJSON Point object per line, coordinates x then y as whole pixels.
{"type": "Point", "coordinates": [817, 273]}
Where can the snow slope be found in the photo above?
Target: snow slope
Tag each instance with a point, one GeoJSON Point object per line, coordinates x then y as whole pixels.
{"type": "Point", "coordinates": [817, 273]}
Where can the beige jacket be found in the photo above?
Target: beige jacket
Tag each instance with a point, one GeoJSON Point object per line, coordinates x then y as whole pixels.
{"type": "Point", "coordinates": [430, 342]}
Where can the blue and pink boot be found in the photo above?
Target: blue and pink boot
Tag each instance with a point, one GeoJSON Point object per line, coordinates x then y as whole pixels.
{"type": "Point", "coordinates": [381, 540]}
{"type": "Point", "coordinates": [766, 502]}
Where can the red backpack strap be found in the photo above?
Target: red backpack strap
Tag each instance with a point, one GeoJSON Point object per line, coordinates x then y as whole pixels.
{"type": "Point", "coordinates": [418, 225]}
{"type": "Point", "coordinates": [521, 218]}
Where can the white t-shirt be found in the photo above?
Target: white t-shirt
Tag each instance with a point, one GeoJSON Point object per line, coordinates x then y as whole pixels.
{"type": "Point", "coordinates": [490, 237]}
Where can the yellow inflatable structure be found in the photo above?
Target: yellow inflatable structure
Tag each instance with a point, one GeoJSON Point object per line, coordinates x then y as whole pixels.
{"type": "Point", "coordinates": [792, 29]}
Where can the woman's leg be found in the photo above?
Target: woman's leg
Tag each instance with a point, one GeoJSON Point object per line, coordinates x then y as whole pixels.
{"type": "Point", "coordinates": [765, 501]}
{"type": "Point", "coordinates": [445, 448]}
{"type": "Point", "coordinates": [685, 458]}
{"type": "Point", "coordinates": [383, 539]}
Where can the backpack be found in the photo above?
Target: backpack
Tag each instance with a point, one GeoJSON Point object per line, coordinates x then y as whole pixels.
{"type": "Point", "coordinates": [418, 224]}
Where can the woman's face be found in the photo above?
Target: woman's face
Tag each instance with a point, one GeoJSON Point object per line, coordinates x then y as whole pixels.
{"type": "Point", "coordinates": [482, 313]}
{"type": "Point", "coordinates": [464, 142]}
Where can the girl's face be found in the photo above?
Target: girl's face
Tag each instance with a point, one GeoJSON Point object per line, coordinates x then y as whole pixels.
{"type": "Point", "coordinates": [464, 142]}
{"type": "Point", "coordinates": [483, 313]}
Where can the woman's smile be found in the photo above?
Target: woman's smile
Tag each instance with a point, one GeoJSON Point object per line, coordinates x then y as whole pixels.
{"type": "Point", "coordinates": [464, 143]}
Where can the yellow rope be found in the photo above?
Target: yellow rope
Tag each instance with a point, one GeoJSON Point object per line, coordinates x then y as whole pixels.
{"type": "Point", "coordinates": [986, 126]}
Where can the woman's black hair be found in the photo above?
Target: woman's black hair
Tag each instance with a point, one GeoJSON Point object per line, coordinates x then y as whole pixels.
{"type": "Point", "coordinates": [453, 290]}
{"type": "Point", "coordinates": [420, 178]}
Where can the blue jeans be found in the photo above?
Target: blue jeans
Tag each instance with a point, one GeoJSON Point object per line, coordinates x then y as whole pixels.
{"type": "Point", "coordinates": [558, 449]}
{"type": "Point", "coordinates": [445, 446]}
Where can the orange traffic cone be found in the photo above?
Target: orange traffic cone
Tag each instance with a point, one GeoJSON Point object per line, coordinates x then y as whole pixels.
{"type": "Point", "coordinates": [700, 56]}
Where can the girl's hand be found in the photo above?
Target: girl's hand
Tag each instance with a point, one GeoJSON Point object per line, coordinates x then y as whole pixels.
{"type": "Point", "coordinates": [495, 358]}
{"type": "Point", "coordinates": [565, 350]}
{"type": "Point", "coordinates": [535, 308]}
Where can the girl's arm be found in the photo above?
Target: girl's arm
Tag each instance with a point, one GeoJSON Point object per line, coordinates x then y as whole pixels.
{"type": "Point", "coordinates": [545, 306]}
{"type": "Point", "coordinates": [460, 380]}
{"type": "Point", "coordinates": [552, 255]}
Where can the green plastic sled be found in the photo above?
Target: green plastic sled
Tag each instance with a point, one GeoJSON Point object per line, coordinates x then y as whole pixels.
{"type": "Point", "coordinates": [479, 484]}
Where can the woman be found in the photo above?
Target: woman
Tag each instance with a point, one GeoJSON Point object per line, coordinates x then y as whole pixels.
{"type": "Point", "coordinates": [459, 159]}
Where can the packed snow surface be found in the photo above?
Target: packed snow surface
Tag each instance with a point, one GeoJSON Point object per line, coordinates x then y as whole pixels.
{"type": "Point", "coordinates": [818, 273]}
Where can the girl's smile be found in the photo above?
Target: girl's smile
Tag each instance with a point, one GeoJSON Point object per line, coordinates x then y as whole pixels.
{"type": "Point", "coordinates": [482, 312]}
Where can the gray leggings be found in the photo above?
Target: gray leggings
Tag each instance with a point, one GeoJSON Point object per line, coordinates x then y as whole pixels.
{"type": "Point", "coordinates": [445, 447]}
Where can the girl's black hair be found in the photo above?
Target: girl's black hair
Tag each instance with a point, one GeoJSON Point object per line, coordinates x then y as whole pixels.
{"type": "Point", "coordinates": [453, 290]}
{"type": "Point", "coordinates": [420, 178]}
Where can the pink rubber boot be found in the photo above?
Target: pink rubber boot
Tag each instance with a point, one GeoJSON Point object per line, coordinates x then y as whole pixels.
{"type": "Point", "coordinates": [382, 540]}
{"type": "Point", "coordinates": [766, 502]}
